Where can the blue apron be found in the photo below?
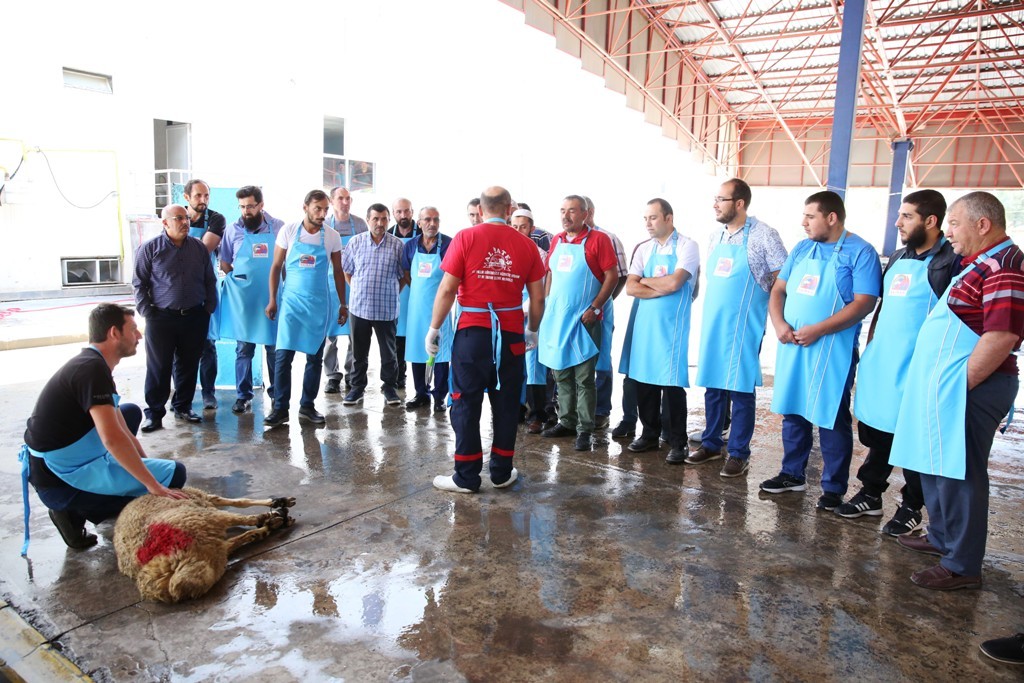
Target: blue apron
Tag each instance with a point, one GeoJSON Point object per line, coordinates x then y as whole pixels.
{"type": "Point", "coordinates": [244, 292]}
{"type": "Point", "coordinates": [625, 357]}
{"type": "Point", "coordinates": [213, 333]}
{"type": "Point", "coordinates": [735, 314]}
{"type": "Point", "coordinates": [604, 354]}
{"type": "Point", "coordinates": [304, 314]}
{"type": "Point", "coordinates": [403, 306]}
{"type": "Point", "coordinates": [426, 279]}
{"type": "Point", "coordinates": [563, 341]}
{"type": "Point", "coordinates": [333, 328]}
{"type": "Point", "coordinates": [536, 373]}
{"type": "Point", "coordinates": [882, 373]}
{"type": "Point", "coordinates": [931, 429]}
{"type": "Point", "coordinates": [661, 328]}
{"type": "Point", "coordinates": [809, 381]}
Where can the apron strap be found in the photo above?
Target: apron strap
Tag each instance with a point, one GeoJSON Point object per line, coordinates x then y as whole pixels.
{"type": "Point", "coordinates": [495, 334]}
{"type": "Point", "coordinates": [23, 456]}
{"type": "Point", "coordinates": [1009, 419]}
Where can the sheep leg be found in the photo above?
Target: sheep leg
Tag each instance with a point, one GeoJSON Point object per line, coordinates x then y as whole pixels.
{"type": "Point", "coordinates": [278, 518]}
{"type": "Point", "coordinates": [282, 502]}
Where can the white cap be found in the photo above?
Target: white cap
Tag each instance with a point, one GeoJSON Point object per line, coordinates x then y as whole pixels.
{"type": "Point", "coordinates": [524, 213]}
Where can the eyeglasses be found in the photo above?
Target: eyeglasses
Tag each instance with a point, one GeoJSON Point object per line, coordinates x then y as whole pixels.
{"type": "Point", "coordinates": [248, 207]}
{"type": "Point", "coordinates": [177, 219]}
{"type": "Point", "coordinates": [720, 200]}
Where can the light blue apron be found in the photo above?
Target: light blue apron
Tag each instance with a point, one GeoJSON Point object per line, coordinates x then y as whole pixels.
{"type": "Point", "coordinates": [536, 373]}
{"type": "Point", "coordinates": [931, 432]}
{"type": "Point", "coordinates": [87, 465]}
{"type": "Point", "coordinates": [604, 354]}
{"type": "Point", "coordinates": [403, 306]}
{"type": "Point", "coordinates": [426, 279]}
{"type": "Point", "coordinates": [809, 381]}
{"type": "Point", "coordinates": [333, 328]}
{"type": "Point", "coordinates": [660, 333]}
{"type": "Point", "coordinates": [244, 292]}
{"type": "Point", "coordinates": [563, 341]}
{"type": "Point", "coordinates": [882, 372]}
{"type": "Point", "coordinates": [625, 356]}
{"type": "Point", "coordinates": [304, 313]}
{"type": "Point", "coordinates": [213, 333]}
{"type": "Point", "coordinates": [735, 314]}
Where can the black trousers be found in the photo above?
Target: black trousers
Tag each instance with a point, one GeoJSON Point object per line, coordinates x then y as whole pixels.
{"type": "Point", "coordinates": [649, 399]}
{"type": "Point", "coordinates": [174, 344]}
{"type": "Point", "coordinates": [874, 472]}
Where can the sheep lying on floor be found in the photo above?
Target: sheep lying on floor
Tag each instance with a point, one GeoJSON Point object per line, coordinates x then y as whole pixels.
{"type": "Point", "coordinates": [177, 549]}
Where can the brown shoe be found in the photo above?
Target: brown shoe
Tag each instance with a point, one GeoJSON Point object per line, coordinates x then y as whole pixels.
{"type": "Point", "coordinates": [919, 544]}
{"type": "Point", "coordinates": [535, 427]}
{"type": "Point", "coordinates": [702, 455]}
{"type": "Point", "coordinates": [734, 467]}
{"type": "Point", "coordinates": [939, 578]}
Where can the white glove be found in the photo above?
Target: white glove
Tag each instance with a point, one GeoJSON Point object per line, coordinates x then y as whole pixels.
{"type": "Point", "coordinates": [432, 343]}
{"type": "Point", "coordinates": [530, 337]}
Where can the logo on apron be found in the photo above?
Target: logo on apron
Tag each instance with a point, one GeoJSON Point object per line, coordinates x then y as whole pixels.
{"type": "Point", "coordinates": [660, 270]}
{"type": "Point", "coordinates": [900, 284]}
{"type": "Point", "coordinates": [564, 263]}
{"type": "Point", "coordinates": [426, 268]}
{"type": "Point", "coordinates": [261, 250]}
{"type": "Point", "coordinates": [808, 285]}
{"type": "Point", "coordinates": [724, 267]}
{"type": "Point", "coordinates": [307, 261]}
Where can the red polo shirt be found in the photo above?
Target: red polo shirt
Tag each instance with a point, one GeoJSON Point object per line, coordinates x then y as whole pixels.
{"type": "Point", "coordinates": [598, 251]}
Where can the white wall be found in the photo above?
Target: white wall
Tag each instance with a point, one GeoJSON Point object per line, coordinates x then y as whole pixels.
{"type": "Point", "coordinates": [446, 98]}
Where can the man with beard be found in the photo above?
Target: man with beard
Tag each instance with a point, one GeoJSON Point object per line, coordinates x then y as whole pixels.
{"type": "Point", "coordinates": [245, 257]}
{"type": "Point", "coordinates": [176, 292]}
{"type": "Point", "coordinates": [744, 258]}
{"type": "Point", "coordinates": [81, 454]}
{"type": "Point", "coordinates": [303, 250]}
{"type": "Point", "coordinates": [421, 261]}
{"type": "Point", "coordinates": [373, 268]}
{"type": "Point", "coordinates": [828, 283]}
{"type": "Point", "coordinates": [208, 226]}
{"type": "Point", "coordinates": [406, 230]}
{"type": "Point", "coordinates": [348, 226]}
{"type": "Point", "coordinates": [913, 280]}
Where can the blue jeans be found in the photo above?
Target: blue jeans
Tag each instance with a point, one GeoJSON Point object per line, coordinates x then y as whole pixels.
{"type": "Point", "coordinates": [310, 379]}
{"type": "Point", "coordinates": [603, 386]}
{"type": "Point", "coordinates": [836, 443]}
{"type": "Point", "coordinates": [716, 408]}
{"type": "Point", "coordinates": [244, 352]}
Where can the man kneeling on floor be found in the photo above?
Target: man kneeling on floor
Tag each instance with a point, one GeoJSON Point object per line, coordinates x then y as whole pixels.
{"type": "Point", "coordinates": [81, 454]}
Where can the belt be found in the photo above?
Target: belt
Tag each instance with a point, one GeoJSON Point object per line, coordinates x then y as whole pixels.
{"type": "Point", "coordinates": [180, 311]}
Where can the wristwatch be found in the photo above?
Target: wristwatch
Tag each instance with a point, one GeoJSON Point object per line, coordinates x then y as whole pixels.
{"type": "Point", "coordinates": [596, 310]}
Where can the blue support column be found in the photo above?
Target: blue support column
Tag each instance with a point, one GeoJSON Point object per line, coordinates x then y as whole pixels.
{"type": "Point", "coordinates": [900, 155]}
{"type": "Point", "coordinates": [847, 87]}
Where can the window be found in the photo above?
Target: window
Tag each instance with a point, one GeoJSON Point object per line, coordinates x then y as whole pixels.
{"type": "Point", "coordinates": [100, 270]}
{"type": "Point", "coordinates": [84, 80]}
{"type": "Point", "coordinates": [335, 174]}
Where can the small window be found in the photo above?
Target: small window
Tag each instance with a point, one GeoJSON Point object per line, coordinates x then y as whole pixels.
{"type": "Point", "coordinates": [84, 80]}
{"type": "Point", "coordinates": [101, 270]}
{"type": "Point", "coordinates": [334, 136]}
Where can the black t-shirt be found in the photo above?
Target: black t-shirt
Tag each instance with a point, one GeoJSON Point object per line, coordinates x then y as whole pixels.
{"type": "Point", "coordinates": [215, 223]}
{"type": "Point", "coordinates": [61, 416]}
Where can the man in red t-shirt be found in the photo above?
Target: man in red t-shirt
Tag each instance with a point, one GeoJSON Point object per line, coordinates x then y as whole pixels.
{"type": "Point", "coordinates": [487, 266]}
{"type": "Point", "coordinates": [583, 274]}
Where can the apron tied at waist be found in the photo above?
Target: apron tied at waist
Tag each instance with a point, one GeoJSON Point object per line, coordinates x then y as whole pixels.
{"type": "Point", "coordinates": [495, 333]}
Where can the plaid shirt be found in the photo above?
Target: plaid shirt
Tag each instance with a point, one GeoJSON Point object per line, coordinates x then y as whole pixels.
{"type": "Point", "coordinates": [375, 270]}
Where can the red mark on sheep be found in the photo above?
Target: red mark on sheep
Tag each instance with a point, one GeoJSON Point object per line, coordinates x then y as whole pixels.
{"type": "Point", "coordinates": [162, 539]}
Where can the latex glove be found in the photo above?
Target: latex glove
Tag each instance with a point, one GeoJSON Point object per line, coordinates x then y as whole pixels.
{"type": "Point", "coordinates": [530, 337]}
{"type": "Point", "coordinates": [432, 343]}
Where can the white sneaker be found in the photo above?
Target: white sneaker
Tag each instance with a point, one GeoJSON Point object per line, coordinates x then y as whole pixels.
{"type": "Point", "coordinates": [511, 480]}
{"type": "Point", "coordinates": [447, 483]}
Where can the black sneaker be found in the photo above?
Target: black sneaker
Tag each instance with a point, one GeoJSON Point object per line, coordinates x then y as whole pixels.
{"type": "Point", "coordinates": [905, 521]}
{"type": "Point", "coordinates": [584, 442]}
{"type": "Point", "coordinates": [861, 504]}
{"type": "Point", "coordinates": [72, 529]}
{"type": "Point", "coordinates": [557, 431]}
{"type": "Point", "coordinates": [601, 421]}
{"type": "Point", "coordinates": [310, 414]}
{"type": "Point", "coordinates": [829, 501]}
{"type": "Point", "coordinates": [783, 483]}
{"type": "Point", "coordinates": [1008, 650]}
{"type": "Point", "coordinates": [278, 417]}
{"type": "Point", "coordinates": [391, 397]}
{"type": "Point", "coordinates": [333, 386]}
{"type": "Point", "coordinates": [624, 430]}
{"type": "Point", "coordinates": [353, 397]}
{"type": "Point", "coordinates": [241, 405]}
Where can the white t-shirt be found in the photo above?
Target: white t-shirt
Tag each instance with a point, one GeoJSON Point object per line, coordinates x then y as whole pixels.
{"type": "Point", "coordinates": [687, 255]}
{"type": "Point", "coordinates": [286, 237]}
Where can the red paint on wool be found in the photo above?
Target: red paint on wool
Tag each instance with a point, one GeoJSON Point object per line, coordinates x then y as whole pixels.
{"type": "Point", "coordinates": [162, 539]}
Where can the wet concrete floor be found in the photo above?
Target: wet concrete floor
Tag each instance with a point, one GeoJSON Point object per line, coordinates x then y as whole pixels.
{"type": "Point", "coordinates": [595, 566]}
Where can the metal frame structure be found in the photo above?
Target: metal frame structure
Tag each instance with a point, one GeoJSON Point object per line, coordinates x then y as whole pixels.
{"type": "Point", "coordinates": [750, 85]}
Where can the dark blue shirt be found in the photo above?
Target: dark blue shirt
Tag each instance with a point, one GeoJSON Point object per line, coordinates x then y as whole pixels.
{"type": "Point", "coordinates": [167, 276]}
{"type": "Point", "coordinates": [412, 246]}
